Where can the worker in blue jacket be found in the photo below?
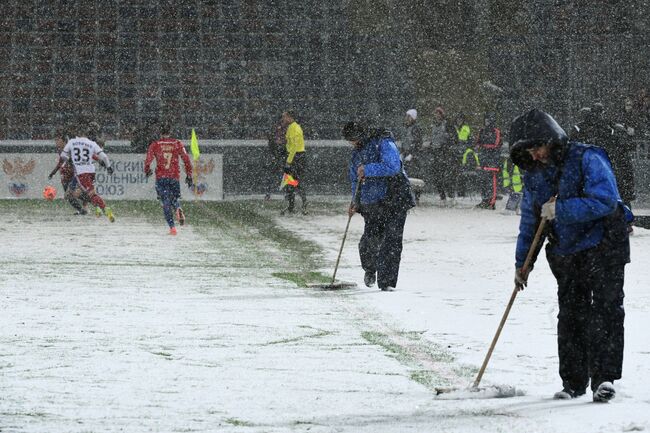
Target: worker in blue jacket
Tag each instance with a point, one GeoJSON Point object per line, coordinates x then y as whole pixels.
{"type": "Point", "coordinates": [384, 199]}
{"type": "Point", "coordinates": [572, 186]}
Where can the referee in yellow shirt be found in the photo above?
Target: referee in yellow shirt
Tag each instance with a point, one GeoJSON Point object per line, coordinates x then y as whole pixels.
{"type": "Point", "coordinates": [295, 164]}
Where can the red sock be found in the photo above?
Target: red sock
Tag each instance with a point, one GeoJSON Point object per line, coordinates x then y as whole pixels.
{"type": "Point", "coordinates": [98, 201]}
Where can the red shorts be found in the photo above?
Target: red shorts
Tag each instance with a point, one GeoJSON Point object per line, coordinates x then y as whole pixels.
{"type": "Point", "coordinates": [86, 181]}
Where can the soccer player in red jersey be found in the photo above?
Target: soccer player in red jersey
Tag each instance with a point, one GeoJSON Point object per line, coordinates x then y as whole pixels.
{"type": "Point", "coordinates": [166, 151]}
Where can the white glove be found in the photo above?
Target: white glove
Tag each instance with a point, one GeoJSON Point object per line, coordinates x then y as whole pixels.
{"type": "Point", "coordinates": [408, 157]}
{"type": "Point", "coordinates": [548, 210]}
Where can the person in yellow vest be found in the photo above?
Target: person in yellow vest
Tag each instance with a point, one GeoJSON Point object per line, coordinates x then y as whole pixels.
{"type": "Point", "coordinates": [467, 157]}
{"type": "Point", "coordinates": [295, 163]}
{"type": "Point", "coordinates": [512, 183]}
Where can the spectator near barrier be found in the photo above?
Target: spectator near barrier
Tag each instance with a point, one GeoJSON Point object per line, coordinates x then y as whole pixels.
{"type": "Point", "coordinates": [417, 159]}
{"type": "Point", "coordinates": [444, 165]}
{"type": "Point", "coordinates": [634, 120]}
{"type": "Point", "coordinates": [596, 129]}
{"type": "Point", "coordinates": [277, 142]}
{"type": "Point", "coordinates": [466, 159]}
{"type": "Point", "coordinates": [513, 184]}
{"type": "Point", "coordinates": [488, 146]}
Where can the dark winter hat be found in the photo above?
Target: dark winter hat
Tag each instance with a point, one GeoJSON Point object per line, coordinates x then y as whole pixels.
{"type": "Point", "coordinates": [534, 129]}
{"type": "Point", "coordinates": [354, 131]}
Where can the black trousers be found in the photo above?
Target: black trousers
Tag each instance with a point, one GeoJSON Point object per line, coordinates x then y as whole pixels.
{"type": "Point", "coordinates": [444, 173]}
{"type": "Point", "coordinates": [590, 322]}
{"type": "Point", "coordinates": [380, 247]}
{"type": "Point", "coordinates": [274, 171]}
{"type": "Point", "coordinates": [489, 180]}
{"type": "Point", "coordinates": [298, 168]}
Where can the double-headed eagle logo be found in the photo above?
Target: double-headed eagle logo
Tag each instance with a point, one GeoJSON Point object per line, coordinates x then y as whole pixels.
{"type": "Point", "coordinates": [18, 172]}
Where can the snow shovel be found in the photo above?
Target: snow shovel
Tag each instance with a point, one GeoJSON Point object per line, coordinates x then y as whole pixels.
{"type": "Point", "coordinates": [334, 285]}
{"type": "Point", "coordinates": [500, 391]}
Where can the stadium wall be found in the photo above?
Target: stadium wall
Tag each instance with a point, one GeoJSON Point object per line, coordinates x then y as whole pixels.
{"type": "Point", "coordinates": [247, 168]}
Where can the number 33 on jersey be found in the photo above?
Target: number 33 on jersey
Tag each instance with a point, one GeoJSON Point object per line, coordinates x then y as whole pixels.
{"type": "Point", "coordinates": [81, 150]}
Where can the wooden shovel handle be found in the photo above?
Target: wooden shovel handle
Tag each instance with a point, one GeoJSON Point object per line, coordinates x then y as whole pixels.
{"type": "Point", "coordinates": [524, 269]}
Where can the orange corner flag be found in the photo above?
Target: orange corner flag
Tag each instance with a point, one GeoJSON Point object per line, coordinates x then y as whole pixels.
{"type": "Point", "coordinates": [287, 179]}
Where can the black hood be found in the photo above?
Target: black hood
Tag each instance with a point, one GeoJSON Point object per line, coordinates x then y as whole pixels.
{"type": "Point", "coordinates": [359, 130]}
{"type": "Point", "coordinates": [533, 129]}
{"type": "Point", "coordinates": [354, 130]}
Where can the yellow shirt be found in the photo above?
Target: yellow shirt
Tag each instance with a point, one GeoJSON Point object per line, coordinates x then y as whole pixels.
{"type": "Point", "coordinates": [295, 141]}
{"type": "Point", "coordinates": [463, 133]}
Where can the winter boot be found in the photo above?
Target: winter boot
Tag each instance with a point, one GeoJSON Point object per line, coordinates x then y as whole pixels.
{"type": "Point", "coordinates": [109, 214]}
{"type": "Point", "coordinates": [387, 289]}
{"type": "Point", "coordinates": [291, 202]}
{"type": "Point", "coordinates": [567, 394]}
{"type": "Point", "coordinates": [286, 210]}
{"type": "Point", "coordinates": [604, 393]}
{"type": "Point", "coordinates": [180, 216]}
{"type": "Point", "coordinates": [369, 278]}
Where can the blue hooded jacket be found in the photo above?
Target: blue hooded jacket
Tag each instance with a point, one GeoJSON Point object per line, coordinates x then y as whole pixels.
{"type": "Point", "coordinates": [586, 194]}
{"type": "Point", "coordinates": [380, 158]}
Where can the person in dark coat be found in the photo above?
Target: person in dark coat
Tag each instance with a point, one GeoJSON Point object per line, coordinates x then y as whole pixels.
{"type": "Point", "coordinates": [572, 186]}
{"type": "Point", "coordinates": [629, 118]}
{"type": "Point", "coordinates": [412, 143]}
{"type": "Point", "coordinates": [596, 129]}
{"type": "Point", "coordinates": [383, 201]}
{"type": "Point", "coordinates": [277, 142]}
{"type": "Point", "coordinates": [444, 166]}
{"type": "Point", "coordinates": [625, 127]}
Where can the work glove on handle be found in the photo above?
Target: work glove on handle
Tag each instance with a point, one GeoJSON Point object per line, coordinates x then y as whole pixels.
{"type": "Point", "coordinates": [521, 277]}
{"type": "Point", "coordinates": [109, 170]}
{"type": "Point", "coordinates": [548, 210]}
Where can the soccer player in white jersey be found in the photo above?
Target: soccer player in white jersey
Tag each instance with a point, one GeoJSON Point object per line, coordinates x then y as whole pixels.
{"type": "Point", "coordinates": [81, 151]}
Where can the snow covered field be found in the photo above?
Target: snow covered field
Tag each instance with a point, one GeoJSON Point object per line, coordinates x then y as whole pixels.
{"type": "Point", "coordinates": [119, 327]}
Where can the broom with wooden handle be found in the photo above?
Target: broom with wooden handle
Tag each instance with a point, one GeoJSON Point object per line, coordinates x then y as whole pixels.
{"type": "Point", "coordinates": [503, 391]}
{"type": "Point", "coordinates": [341, 285]}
